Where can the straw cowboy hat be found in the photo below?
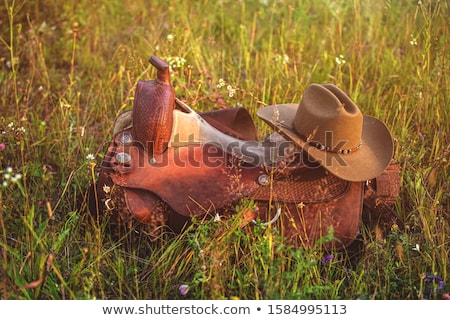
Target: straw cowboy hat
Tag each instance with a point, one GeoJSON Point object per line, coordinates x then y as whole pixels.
{"type": "Point", "coordinates": [332, 130]}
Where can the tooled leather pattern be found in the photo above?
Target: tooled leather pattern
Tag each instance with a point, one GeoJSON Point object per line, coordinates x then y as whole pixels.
{"type": "Point", "coordinates": [154, 102]}
{"type": "Point", "coordinates": [152, 114]}
{"type": "Point", "coordinates": [191, 183]}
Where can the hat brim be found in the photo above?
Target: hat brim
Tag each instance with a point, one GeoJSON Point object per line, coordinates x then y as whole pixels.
{"type": "Point", "coordinates": [366, 163]}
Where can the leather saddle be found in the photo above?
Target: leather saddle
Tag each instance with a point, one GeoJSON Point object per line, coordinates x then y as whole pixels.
{"type": "Point", "coordinates": [167, 163]}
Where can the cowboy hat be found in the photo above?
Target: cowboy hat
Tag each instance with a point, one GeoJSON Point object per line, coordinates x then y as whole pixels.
{"type": "Point", "coordinates": [332, 130]}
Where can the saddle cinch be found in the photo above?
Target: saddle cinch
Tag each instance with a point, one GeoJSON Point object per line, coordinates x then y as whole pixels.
{"type": "Point", "coordinates": [166, 164]}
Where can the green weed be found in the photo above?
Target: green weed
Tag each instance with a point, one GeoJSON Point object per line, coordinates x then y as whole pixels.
{"type": "Point", "coordinates": [68, 69]}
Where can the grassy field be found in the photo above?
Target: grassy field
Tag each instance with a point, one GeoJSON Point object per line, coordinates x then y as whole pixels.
{"type": "Point", "coordinates": [67, 69]}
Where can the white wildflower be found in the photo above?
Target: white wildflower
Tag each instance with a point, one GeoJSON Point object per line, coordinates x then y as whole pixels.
{"type": "Point", "coordinates": [106, 189]}
{"type": "Point", "coordinates": [413, 41]}
{"type": "Point", "coordinates": [221, 83]}
{"type": "Point", "coordinates": [16, 178]}
{"type": "Point", "coordinates": [340, 60]}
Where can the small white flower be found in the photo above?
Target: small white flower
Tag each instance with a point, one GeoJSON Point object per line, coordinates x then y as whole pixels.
{"type": "Point", "coordinates": [221, 83]}
{"type": "Point", "coordinates": [231, 91]}
{"type": "Point", "coordinates": [340, 60]}
{"type": "Point", "coordinates": [170, 37]}
{"type": "Point", "coordinates": [175, 62]}
{"type": "Point", "coordinates": [216, 218]}
{"type": "Point", "coordinates": [9, 169]}
{"type": "Point", "coordinates": [90, 157]}
{"type": "Point", "coordinates": [106, 189]}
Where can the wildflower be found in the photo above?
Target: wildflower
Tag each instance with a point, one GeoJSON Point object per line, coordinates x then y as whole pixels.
{"type": "Point", "coordinates": [106, 189]}
{"type": "Point", "coordinates": [413, 41]}
{"type": "Point", "coordinates": [2, 146]}
{"type": "Point", "coordinates": [284, 59]}
{"type": "Point", "coordinates": [221, 102]}
{"type": "Point", "coordinates": [221, 83]}
{"type": "Point", "coordinates": [90, 157]}
{"type": "Point", "coordinates": [217, 218]}
{"type": "Point", "coordinates": [16, 177]}
{"type": "Point", "coordinates": [340, 60]}
{"type": "Point", "coordinates": [170, 37]}
{"type": "Point", "coordinates": [327, 258]}
{"type": "Point", "coordinates": [231, 91]}
{"type": "Point", "coordinates": [183, 289]}
{"type": "Point", "coordinates": [436, 280]}
{"type": "Point", "coordinates": [175, 62]}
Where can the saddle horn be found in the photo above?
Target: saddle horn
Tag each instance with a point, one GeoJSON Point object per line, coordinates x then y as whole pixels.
{"type": "Point", "coordinates": [154, 102]}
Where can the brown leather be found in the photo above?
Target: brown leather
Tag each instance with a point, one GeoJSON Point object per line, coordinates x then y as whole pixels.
{"type": "Point", "coordinates": [303, 224]}
{"type": "Point", "coordinates": [199, 181]}
{"type": "Point", "coordinates": [167, 185]}
{"type": "Point", "coordinates": [169, 188]}
{"type": "Point", "coordinates": [154, 102]}
{"type": "Point", "coordinates": [387, 184]}
{"type": "Point", "coordinates": [235, 122]}
{"type": "Point", "coordinates": [380, 195]}
{"type": "Point", "coordinates": [184, 179]}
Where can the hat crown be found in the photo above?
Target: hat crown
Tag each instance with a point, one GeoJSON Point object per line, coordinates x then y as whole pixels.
{"type": "Point", "coordinates": [328, 118]}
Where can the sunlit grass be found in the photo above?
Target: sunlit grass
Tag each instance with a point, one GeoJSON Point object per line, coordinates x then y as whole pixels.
{"type": "Point", "coordinates": [68, 69]}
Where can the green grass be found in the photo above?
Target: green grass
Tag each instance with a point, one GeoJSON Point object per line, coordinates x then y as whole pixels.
{"type": "Point", "coordinates": [68, 68]}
